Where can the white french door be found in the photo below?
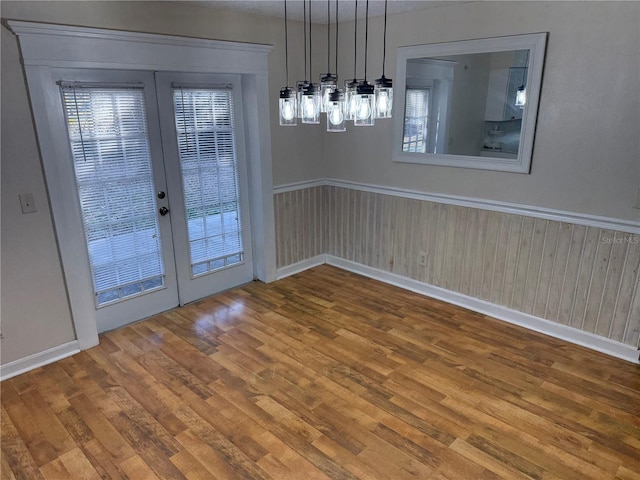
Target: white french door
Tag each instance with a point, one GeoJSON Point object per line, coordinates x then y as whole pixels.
{"type": "Point", "coordinates": [160, 180]}
{"type": "Point", "coordinates": [201, 124]}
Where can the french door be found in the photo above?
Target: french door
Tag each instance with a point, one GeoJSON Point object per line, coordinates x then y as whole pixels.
{"type": "Point", "coordinates": [160, 180]}
{"type": "Point", "coordinates": [204, 150]}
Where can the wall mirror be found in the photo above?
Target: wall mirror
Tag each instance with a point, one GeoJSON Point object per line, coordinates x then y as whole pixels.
{"type": "Point", "coordinates": [469, 104]}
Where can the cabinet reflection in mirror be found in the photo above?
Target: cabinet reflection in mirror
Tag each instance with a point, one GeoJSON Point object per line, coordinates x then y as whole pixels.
{"type": "Point", "coordinates": [469, 104]}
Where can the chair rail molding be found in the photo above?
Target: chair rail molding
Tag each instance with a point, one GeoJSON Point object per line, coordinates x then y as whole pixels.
{"type": "Point", "coordinates": [621, 225]}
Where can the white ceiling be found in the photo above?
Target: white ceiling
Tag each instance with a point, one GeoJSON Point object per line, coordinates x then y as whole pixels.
{"type": "Point", "coordinates": [346, 8]}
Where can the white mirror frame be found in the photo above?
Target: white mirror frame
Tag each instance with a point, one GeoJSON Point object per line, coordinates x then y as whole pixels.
{"type": "Point", "coordinates": [535, 43]}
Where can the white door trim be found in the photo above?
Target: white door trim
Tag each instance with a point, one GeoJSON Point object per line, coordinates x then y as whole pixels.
{"type": "Point", "coordinates": [45, 47]}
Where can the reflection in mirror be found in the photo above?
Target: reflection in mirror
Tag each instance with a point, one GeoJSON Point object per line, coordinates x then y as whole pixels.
{"type": "Point", "coordinates": [478, 91]}
{"type": "Point", "coordinates": [466, 103]}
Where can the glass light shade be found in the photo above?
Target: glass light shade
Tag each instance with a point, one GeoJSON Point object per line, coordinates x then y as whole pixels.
{"type": "Point", "coordinates": [521, 96]}
{"type": "Point", "coordinates": [350, 90]}
{"type": "Point", "coordinates": [384, 97]}
{"type": "Point", "coordinates": [335, 112]}
{"type": "Point", "coordinates": [328, 83]}
{"type": "Point", "coordinates": [364, 105]}
{"type": "Point", "coordinates": [288, 110]}
{"type": "Point", "coordinates": [300, 86]}
{"type": "Point", "coordinates": [310, 105]}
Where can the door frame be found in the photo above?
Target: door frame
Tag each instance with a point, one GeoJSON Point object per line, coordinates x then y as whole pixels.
{"type": "Point", "coordinates": [45, 47]}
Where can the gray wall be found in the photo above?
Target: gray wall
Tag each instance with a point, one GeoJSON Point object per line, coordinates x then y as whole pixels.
{"type": "Point", "coordinates": [586, 155]}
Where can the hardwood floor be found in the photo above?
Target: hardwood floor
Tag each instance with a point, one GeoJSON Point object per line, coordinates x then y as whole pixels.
{"type": "Point", "coordinates": [324, 375]}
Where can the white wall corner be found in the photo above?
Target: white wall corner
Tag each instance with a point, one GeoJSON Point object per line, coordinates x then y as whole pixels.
{"type": "Point", "coordinates": [258, 134]}
{"type": "Point", "coordinates": [301, 266]}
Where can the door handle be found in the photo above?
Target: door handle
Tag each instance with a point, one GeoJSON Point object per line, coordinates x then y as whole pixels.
{"type": "Point", "coordinates": [163, 211]}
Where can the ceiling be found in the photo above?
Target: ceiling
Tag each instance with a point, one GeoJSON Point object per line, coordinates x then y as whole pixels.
{"type": "Point", "coordinates": [346, 8]}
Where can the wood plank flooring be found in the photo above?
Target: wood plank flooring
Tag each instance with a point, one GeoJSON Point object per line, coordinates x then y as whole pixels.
{"type": "Point", "coordinates": [324, 375]}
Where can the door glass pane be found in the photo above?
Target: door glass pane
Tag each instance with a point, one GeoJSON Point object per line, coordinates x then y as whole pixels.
{"type": "Point", "coordinates": [109, 141]}
{"type": "Point", "coordinates": [207, 150]}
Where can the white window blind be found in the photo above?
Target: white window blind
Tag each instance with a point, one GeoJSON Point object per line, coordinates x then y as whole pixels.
{"type": "Point", "coordinates": [415, 120]}
{"type": "Point", "coordinates": [108, 135]}
{"type": "Point", "coordinates": [208, 161]}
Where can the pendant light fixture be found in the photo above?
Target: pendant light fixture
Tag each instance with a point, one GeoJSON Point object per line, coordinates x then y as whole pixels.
{"type": "Point", "coordinates": [328, 81]}
{"type": "Point", "coordinates": [335, 106]}
{"type": "Point", "coordinates": [336, 121]}
{"type": "Point", "coordinates": [521, 96]}
{"type": "Point", "coordinates": [350, 87]}
{"type": "Point", "coordinates": [360, 101]}
{"type": "Point", "coordinates": [384, 85]}
{"type": "Point", "coordinates": [288, 99]}
{"type": "Point", "coordinates": [311, 91]}
{"type": "Point", "coordinates": [301, 84]}
{"type": "Point", "coordinates": [521, 93]}
{"type": "Point", "coordinates": [365, 92]}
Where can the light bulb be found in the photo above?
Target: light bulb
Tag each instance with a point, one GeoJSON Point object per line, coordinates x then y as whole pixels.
{"type": "Point", "coordinates": [336, 117]}
{"type": "Point", "coordinates": [383, 102]}
{"type": "Point", "coordinates": [364, 110]}
{"type": "Point", "coordinates": [309, 107]}
{"type": "Point", "coordinates": [383, 97]}
{"type": "Point", "coordinates": [288, 112]}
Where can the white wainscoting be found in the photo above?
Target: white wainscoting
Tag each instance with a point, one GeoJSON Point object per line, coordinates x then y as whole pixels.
{"type": "Point", "coordinates": [300, 225]}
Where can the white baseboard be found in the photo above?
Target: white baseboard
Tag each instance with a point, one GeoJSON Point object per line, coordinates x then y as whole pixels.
{"type": "Point", "coordinates": [301, 266]}
{"type": "Point", "coordinates": [557, 330]}
{"type": "Point", "coordinates": [40, 359]}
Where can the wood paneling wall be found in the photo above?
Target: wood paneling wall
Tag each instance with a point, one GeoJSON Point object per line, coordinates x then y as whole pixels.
{"type": "Point", "coordinates": [300, 218]}
{"type": "Point", "coordinates": [580, 276]}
